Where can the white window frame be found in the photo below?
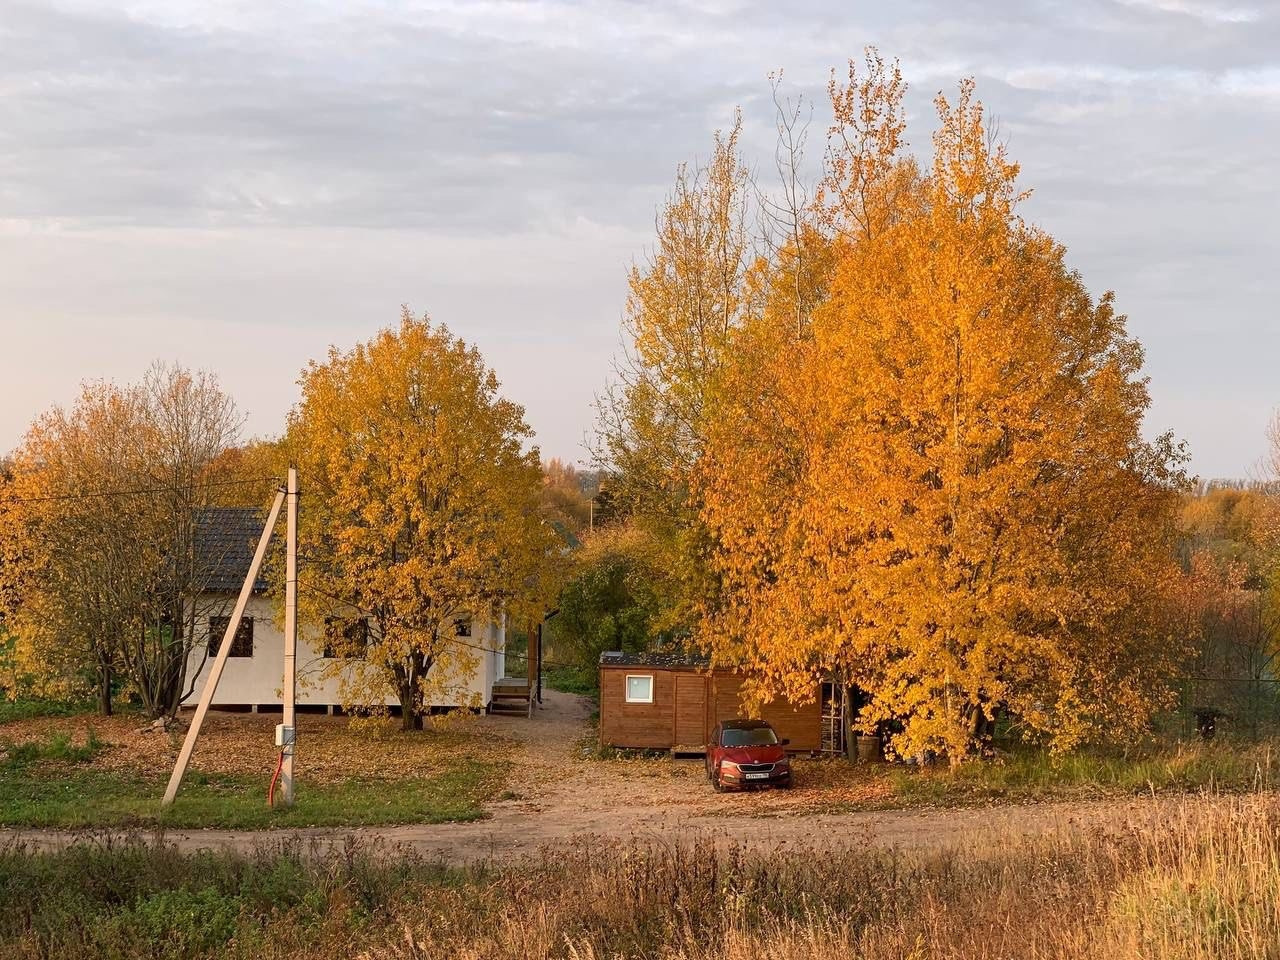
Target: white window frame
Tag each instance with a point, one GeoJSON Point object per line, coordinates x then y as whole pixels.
{"type": "Point", "coordinates": [626, 687]}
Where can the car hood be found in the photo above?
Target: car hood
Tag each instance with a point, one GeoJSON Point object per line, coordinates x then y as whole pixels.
{"type": "Point", "coordinates": [764, 754]}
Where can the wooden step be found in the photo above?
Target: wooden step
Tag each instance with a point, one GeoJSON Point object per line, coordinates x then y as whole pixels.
{"type": "Point", "coordinates": [510, 708]}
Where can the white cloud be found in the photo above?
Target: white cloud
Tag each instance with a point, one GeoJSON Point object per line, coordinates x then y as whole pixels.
{"type": "Point", "coordinates": [1208, 12]}
{"type": "Point", "coordinates": [248, 181]}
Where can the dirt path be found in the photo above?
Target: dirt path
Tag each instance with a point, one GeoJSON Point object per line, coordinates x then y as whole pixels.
{"type": "Point", "coordinates": [560, 794]}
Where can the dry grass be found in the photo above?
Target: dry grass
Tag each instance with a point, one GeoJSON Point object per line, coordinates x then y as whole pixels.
{"type": "Point", "coordinates": [1202, 885]}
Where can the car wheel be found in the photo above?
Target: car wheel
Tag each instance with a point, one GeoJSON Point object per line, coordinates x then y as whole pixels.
{"type": "Point", "coordinates": [715, 781]}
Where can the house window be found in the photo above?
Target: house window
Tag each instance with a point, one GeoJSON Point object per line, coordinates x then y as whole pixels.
{"type": "Point", "coordinates": [462, 628]}
{"type": "Point", "coordinates": [639, 688]}
{"type": "Point", "coordinates": [345, 639]}
{"type": "Point", "coordinates": [241, 643]}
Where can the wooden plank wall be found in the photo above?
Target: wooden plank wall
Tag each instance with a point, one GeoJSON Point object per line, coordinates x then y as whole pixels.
{"type": "Point", "coordinates": [801, 724]}
{"type": "Point", "coordinates": [636, 725]}
{"type": "Point", "coordinates": [654, 725]}
{"type": "Point", "coordinates": [691, 724]}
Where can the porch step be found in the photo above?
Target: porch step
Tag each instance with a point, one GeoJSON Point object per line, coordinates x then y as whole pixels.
{"type": "Point", "coordinates": [510, 698]}
{"type": "Point", "coordinates": [514, 708]}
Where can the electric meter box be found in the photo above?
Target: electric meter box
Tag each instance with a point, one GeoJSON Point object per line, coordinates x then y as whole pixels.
{"type": "Point", "coordinates": [284, 735]}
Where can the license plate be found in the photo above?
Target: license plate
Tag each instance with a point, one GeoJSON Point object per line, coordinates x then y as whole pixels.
{"type": "Point", "coordinates": [755, 776]}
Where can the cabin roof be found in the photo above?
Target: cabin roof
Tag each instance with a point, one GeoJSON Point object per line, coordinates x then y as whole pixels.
{"type": "Point", "coordinates": [670, 660]}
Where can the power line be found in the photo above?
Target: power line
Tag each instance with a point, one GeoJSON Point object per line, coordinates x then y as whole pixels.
{"type": "Point", "coordinates": [91, 494]}
{"type": "Point", "coordinates": [368, 613]}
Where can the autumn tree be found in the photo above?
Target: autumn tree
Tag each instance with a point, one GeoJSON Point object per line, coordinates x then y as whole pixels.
{"type": "Point", "coordinates": [76, 571]}
{"type": "Point", "coordinates": [420, 507]}
{"type": "Point", "coordinates": [961, 515]}
{"type": "Point", "coordinates": [97, 522]}
{"type": "Point", "coordinates": [563, 499]}
{"type": "Point", "coordinates": [615, 591]}
{"type": "Point", "coordinates": [188, 424]}
{"type": "Point", "coordinates": [683, 305]}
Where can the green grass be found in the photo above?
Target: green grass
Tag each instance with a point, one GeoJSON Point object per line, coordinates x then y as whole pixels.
{"type": "Point", "coordinates": [572, 680]}
{"type": "Point", "coordinates": [91, 798]}
{"type": "Point", "coordinates": [137, 900]}
{"type": "Point", "coordinates": [1027, 774]}
{"type": "Point", "coordinates": [49, 784]}
{"type": "Point", "coordinates": [57, 747]}
{"type": "Point", "coordinates": [12, 711]}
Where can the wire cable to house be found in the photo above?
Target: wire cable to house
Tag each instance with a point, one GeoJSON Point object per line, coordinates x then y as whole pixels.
{"type": "Point", "coordinates": [137, 491]}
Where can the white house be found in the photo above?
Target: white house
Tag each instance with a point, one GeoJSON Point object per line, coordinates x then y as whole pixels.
{"type": "Point", "coordinates": [254, 672]}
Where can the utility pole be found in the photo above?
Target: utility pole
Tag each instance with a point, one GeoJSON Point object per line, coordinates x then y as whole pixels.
{"type": "Point", "coordinates": [287, 733]}
{"type": "Point", "coordinates": [220, 661]}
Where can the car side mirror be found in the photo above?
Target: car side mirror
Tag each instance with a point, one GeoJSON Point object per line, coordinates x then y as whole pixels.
{"type": "Point", "coordinates": [785, 741]}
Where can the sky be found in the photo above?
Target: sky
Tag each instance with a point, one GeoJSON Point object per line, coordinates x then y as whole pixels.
{"type": "Point", "coordinates": [236, 186]}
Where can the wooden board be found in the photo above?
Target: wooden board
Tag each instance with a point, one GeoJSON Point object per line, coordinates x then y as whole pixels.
{"type": "Point", "coordinates": [691, 710]}
{"type": "Point", "coordinates": [687, 704]}
{"type": "Point", "coordinates": [636, 725]}
{"type": "Point", "coordinates": [799, 723]}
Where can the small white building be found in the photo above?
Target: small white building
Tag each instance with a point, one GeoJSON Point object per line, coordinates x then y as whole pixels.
{"type": "Point", "coordinates": [254, 671]}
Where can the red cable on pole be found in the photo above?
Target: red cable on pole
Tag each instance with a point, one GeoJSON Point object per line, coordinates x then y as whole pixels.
{"type": "Point", "coordinates": [271, 790]}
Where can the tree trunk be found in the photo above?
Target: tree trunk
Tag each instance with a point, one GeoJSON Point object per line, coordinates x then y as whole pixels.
{"type": "Point", "coordinates": [846, 721]}
{"type": "Point", "coordinates": [104, 691]}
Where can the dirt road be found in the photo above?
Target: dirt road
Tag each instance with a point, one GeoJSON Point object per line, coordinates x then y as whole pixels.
{"type": "Point", "coordinates": [558, 794]}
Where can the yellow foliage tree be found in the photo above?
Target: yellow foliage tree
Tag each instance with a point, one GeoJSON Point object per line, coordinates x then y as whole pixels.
{"type": "Point", "coordinates": [420, 507]}
{"type": "Point", "coordinates": [77, 569]}
{"type": "Point", "coordinates": [683, 307]}
{"type": "Point", "coordinates": [950, 503]}
{"type": "Point", "coordinates": [100, 580]}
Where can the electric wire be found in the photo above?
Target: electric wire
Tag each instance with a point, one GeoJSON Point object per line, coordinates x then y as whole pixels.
{"type": "Point", "coordinates": [138, 491]}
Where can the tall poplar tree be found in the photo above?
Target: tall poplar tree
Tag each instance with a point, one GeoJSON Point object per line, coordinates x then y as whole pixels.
{"type": "Point", "coordinates": [963, 516]}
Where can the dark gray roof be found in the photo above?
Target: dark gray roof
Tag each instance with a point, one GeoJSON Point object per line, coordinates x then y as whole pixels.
{"type": "Point", "coordinates": [668, 659]}
{"type": "Point", "coordinates": [225, 539]}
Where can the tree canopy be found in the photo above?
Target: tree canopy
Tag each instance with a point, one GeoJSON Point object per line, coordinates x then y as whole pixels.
{"type": "Point", "coordinates": [421, 507]}
{"type": "Point", "coordinates": [918, 464]}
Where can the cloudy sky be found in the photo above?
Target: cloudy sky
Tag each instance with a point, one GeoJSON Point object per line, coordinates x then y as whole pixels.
{"type": "Point", "coordinates": [237, 185]}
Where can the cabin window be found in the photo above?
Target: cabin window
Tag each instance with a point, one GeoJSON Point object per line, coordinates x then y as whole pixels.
{"type": "Point", "coordinates": [345, 639]}
{"type": "Point", "coordinates": [640, 688]}
{"type": "Point", "coordinates": [241, 643]}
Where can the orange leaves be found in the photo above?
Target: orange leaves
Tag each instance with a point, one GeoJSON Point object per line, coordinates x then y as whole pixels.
{"type": "Point", "coordinates": [939, 490]}
{"type": "Point", "coordinates": [421, 504]}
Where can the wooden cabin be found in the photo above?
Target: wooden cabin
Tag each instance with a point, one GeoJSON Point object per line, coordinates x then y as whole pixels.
{"type": "Point", "coordinates": [672, 702]}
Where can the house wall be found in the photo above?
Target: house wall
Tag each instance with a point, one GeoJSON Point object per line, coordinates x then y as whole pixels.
{"type": "Point", "coordinates": [799, 723]}
{"type": "Point", "coordinates": [654, 725]}
{"type": "Point", "coordinates": [637, 725]}
{"type": "Point", "coordinates": [257, 680]}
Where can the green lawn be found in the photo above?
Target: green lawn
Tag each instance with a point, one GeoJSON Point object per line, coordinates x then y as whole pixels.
{"type": "Point", "coordinates": [14, 710]}
{"type": "Point", "coordinates": [54, 785]}
{"type": "Point", "coordinates": [572, 680]}
{"type": "Point", "coordinates": [1031, 775]}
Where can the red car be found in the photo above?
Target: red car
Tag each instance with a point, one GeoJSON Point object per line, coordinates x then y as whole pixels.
{"type": "Point", "coordinates": [747, 753]}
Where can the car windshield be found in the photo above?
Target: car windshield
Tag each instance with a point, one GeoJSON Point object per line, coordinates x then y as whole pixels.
{"type": "Point", "coordinates": [752, 737]}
